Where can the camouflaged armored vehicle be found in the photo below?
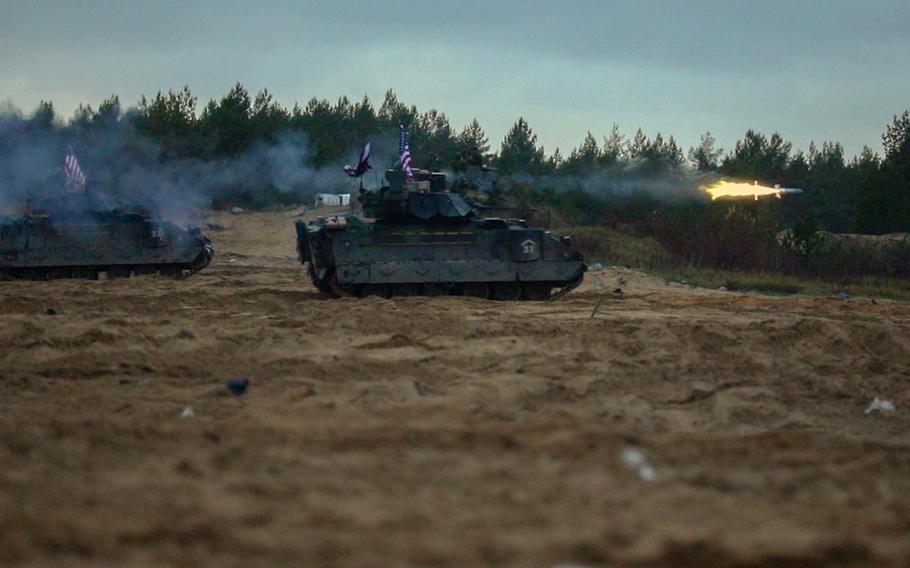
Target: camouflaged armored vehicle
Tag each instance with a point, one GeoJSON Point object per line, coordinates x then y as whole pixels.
{"type": "Point", "coordinates": [71, 237]}
{"type": "Point", "coordinates": [425, 240]}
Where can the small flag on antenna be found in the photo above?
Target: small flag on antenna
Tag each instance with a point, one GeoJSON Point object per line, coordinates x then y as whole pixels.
{"type": "Point", "coordinates": [75, 179]}
{"type": "Point", "coordinates": [363, 163]}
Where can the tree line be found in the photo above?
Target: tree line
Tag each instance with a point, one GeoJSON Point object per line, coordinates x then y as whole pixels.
{"type": "Point", "coordinates": [866, 193]}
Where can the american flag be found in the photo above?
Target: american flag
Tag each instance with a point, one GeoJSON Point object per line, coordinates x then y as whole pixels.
{"type": "Point", "coordinates": [404, 151]}
{"type": "Point", "coordinates": [75, 179]}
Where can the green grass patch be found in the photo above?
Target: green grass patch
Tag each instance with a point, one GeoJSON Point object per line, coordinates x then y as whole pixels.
{"type": "Point", "coordinates": [783, 284]}
{"type": "Point", "coordinates": [610, 247]}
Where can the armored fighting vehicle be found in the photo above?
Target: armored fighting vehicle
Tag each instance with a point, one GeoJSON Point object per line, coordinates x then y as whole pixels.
{"type": "Point", "coordinates": [72, 238]}
{"type": "Point", "coordinates": [426, 240]}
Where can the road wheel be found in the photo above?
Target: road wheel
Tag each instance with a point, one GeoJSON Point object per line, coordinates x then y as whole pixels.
{"type": "Point", "coordinates": [116, 272]}
{"type": "Point", "coordinates": [507, 291]}
{"type": "Point", "coordinates": [477, 290]}
{"type": "Point", "coordinates": [404, 290]}
{"type": "Point", "coordinates": [86, 273]}
{"type": "Point", "coordinates": [337, 289]}
{"type": "Point", "coordinates": [171, 272]}
{"type": "Point", "coordinates": [435, 290]}
{"type": "Point", "coordinates": [536, 292]}
{"type": "Point", "coordinates": [375, 290]}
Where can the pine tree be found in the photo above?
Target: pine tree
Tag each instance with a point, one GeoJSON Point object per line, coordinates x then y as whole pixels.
{"type": "Point", "coordinates": [393, 113]}
{"type": "Point", "coordinates": [639, 145]}
{"type": "Point", "coordinates": [44, 116]}
{"type": "Point", "coordinates": [473, 136]}
{"type": "Point", "coordinates": [267, 117]}
{"type": "Point", "coordinates": [226, 124]}
{"type": "Point", "coordinates": [672, 153]}
{"type": "Point", "coordinates": [520, 152]}
{"type": "Point", "coordinates": [704, 157]}
{"type": "Point", "coordinates": [585, 158]}
{"type": "Point", "coordinates": [614, 147]}
{"type": "Point", "coordinates": [170, 119]}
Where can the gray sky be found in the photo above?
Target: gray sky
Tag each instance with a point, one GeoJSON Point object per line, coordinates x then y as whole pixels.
{"type": "Point", "coordinates": [811, 70]}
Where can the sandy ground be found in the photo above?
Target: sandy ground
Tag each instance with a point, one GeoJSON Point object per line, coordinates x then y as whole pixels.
{"type": "Point", "coordinates": [445, 431]}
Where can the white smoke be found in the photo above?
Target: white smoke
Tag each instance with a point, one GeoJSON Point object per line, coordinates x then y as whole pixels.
{"type": "Point", "coordinates": [122, 165]}
{"type": "Point", "coordinates": [629, 178]}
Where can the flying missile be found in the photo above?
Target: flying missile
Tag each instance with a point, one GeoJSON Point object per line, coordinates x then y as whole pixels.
{"type": "Point", "coordinates": [739, 189]}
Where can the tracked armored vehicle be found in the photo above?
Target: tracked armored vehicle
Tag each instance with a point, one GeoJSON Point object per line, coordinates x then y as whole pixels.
{"type": "Point", "coordinates": [72, 238]}
{"type": "Point", "coordinates": [425, 240]}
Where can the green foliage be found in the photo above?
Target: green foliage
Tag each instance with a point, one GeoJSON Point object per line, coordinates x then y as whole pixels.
{"type": "Point", "coordinates": [896, 138]}
{"type": "Point", "coordinates": [44, 116]}
{"type": "Point", "coordinates": [614, 148]}
{"type": "Point", "coordinates": [227, 124]}
{"type": "Point", "coordinates": [473, 138]}
{"type": "Point", "coordinates": [779, 283]}
{"type": "Point", "coordinates": [612, 247]}
{"type": "Point", "coordinates": [705, 157]}
{"type": "Point", "coordinates": [883, 186]}
{"type": "Point", "coordinates": [520, 152]}
{"type": "Point", "coordinates": [866, 193]}
{"type": "Point", "coordinates": [170, 120]}
{"type": "Point", "coordinates": [758, 157]}
{"type": "Point", "coordinates": [267, 117]}
{"type": "Point", "coordinates": [584, 159]}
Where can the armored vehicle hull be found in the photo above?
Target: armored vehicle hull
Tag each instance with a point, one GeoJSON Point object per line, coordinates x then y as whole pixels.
{"type": "Point", "coordinates": [120, 244]}
{"type": "Point", "coordinates": [489, 258]}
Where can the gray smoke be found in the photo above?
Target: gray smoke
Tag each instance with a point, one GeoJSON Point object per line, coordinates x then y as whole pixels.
{"type": "Point", "coordinates": [627, 178]}
{"type": "Point", "coordinates": [124, 167]}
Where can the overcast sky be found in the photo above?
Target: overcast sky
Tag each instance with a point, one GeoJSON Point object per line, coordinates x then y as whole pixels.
{"type": "Point", "coordinates": [811, 70]}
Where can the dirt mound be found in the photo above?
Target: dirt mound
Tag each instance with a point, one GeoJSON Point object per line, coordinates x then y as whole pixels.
{"type": "Point", "coordinates": [450, 431]}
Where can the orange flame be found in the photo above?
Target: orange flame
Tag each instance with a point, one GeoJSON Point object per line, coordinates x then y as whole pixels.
{"type": "Point", "coordinates": [725, 188]}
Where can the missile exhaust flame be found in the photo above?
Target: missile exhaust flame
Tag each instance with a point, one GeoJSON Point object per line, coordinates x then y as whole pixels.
{"type": "Point", "coordinates": [729, 189]}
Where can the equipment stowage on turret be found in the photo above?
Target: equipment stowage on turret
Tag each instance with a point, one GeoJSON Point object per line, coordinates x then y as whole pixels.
{"type": "Point", "coordinates": [72, 238]}
{"type": "Point", "coordinates": [426, 240]}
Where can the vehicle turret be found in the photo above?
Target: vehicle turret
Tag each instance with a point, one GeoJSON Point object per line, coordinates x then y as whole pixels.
{"type": "Point", "coordinates": [424, 198]}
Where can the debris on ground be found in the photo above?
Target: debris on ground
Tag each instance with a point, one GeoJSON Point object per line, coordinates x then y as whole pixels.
{"type": "Point", "coordinates": [637, 462]}
{"type": "Point", "coordinates": [187, 412]}
{"type": "Point", "coordinates": [879, 405]}
{"type": "Point", "coordinates": [596, 306]}
{"type": "Point", "coordinates": [137, 382]}
{"type": "Point", "coordinates": [236, 210]}
{"type": "Point", "coordinates": [238, 386]}
{"type": "Point", "coordinates": [51, 312]}
{"type": "Point", "coordinates": [841, 295]}
{"type": "Point", "coordinates": [596, 267]}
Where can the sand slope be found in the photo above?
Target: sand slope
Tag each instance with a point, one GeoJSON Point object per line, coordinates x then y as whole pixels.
{"type": "Point", "coordinates": [445, 431]}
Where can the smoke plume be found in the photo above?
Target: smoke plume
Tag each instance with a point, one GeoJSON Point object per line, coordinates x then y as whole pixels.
{"type": "Point", "coordinates": [125, 167]}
